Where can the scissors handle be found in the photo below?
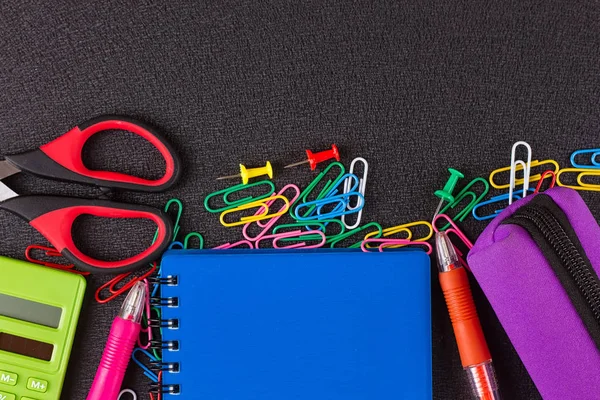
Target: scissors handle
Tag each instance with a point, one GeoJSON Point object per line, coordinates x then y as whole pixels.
{"type": "Point", "coordinates": [62, 158]}
{"type": "Point", "coordinates": [54, 217]}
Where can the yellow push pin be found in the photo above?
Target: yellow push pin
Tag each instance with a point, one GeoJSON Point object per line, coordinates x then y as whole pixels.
{"type": "Point", "coordinates": [247, 173]}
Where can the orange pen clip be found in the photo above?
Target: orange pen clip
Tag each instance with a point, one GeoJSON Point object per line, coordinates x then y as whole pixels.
{"type": "Point", "coordinates": [116, 292]}
{"type": "Point", "coordinates": [50, 252]}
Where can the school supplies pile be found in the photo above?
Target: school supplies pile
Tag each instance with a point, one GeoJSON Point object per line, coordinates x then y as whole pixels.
{"type": "Point", "coordinates": [327, 213]}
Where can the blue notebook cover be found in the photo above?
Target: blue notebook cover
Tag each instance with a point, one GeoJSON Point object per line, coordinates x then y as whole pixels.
{"type": "Point", "coordinates": [299, 325]}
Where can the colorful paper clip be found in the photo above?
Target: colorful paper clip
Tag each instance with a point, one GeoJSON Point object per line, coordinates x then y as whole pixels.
{"type": "Point", "coordinates": [581, 174]}
{"type": "Point", "coordinates": [338, 202]}
{"type": "Point", "coordinates": [50, 252]}
{"type": "Point", "coordinates": [393, 243]}
{"type": "Point", "coordinates": [247, 173]}
{"type": "Point", "coordinates": [188, 238]}
{"type": "Point", "coordinates": [459, 234]}
{"type": "Point", "coordinates": [393, 230]}
{"type": "Point", "coordinates": [519, 167]}
{"type": "Point", "coordinates": [362, 186]}
{"type": "Point", "coordinates": [595, 153]}
{"type": "Point", "coordinates": [320, 226]}
{"type": "Point", "coordinates": [241, 243]}
{"type": "Point", "coordinates": [464, 193]}
{"type": "Point", "coordinates": [229, 204]}
{"type": "Point", "coordinates": [176, 226]}
{"type": "Point", "coordinates": [496, 199]}
{"type": "Point", "coordinates": [124, 392]}
{"type": "Point", "coordinates": [350, 233]}
{"type": "Point", "coordinates": [296, 236]}
{"type": "Point", "coordinates": [146, 329]}
{"type": "Point", "coordinates": [147, 371]}
{"type": "Point", "coordinates": [266, 226]}
{"type": "Point", "coordinates": [118, 280]}
{"type": "Point", "coordinates": [526, 166]}
{"type": "Point", "coordinates": [544, 175]}
{"type": "Point", "coordinates": [331, 183]}
{"type": "Point", "coordinates": [262, 205]}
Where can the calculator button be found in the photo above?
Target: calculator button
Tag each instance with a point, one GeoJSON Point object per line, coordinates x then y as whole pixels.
{"type": "Point", "coordinates": [39, 385]}
{"type": "Point", "coordinates": [6, 396]}
{"type": "Point", "coordinates": [8, 378]}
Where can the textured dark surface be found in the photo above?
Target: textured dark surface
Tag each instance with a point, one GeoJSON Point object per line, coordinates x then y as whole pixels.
{"type": "Point", "coordinates": [412, 86]}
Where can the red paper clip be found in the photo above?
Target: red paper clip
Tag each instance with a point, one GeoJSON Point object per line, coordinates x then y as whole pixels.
{"type": "Point", "coordinates": [552, 182]}
{"type": "Point", "coordinates": [50, 252]}
{"type": "Point", "coordinates": [111, 285]}
{"type": "Point", "coordinates": [159, 385]}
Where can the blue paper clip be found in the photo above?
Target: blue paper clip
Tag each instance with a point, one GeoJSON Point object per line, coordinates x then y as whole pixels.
{"type": "Point", "coordinates": [342, 201]}
{"type": "Point", "coordinates": [176, 246]}
{"type": "Point", "coordinates": [147, 371]}
{"type": "Point", "coordinates": [342, 181]}
{"type": "Point", "coordinates": [331, 183]}
{"type": "Point", "coordinates": [593, 163]}
{"type": "Point", "coordinates": [495, 199]}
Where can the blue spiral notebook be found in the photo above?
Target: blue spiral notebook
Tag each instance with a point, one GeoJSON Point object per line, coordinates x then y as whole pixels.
{"type": "Point", "coordinates": [297, 325]}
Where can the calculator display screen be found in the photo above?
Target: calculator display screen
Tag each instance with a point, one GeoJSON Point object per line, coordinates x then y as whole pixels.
{"type": "Point", "coordinates": [26, 347]}
{"type": "Point", "coordinates": [29, 311]}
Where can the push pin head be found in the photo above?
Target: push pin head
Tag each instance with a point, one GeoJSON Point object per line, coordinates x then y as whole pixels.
{"type": "Point", "coordinates": [315, 158]}
{"type": "Point", "coordinates": [446, 193]}
{"type": "Point", "coordinates": [248, 173]}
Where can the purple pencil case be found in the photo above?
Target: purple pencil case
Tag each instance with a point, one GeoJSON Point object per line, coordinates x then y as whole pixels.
{"type": "Point", "coordinates": [538, 263]}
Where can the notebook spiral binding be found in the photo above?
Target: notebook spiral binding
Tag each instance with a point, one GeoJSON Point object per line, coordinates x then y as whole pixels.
{"type": "Point", "coordinates": [159, 345]}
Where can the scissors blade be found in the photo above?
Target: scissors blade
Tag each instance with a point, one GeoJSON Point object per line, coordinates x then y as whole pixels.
{"type": "Point", "coordinates": [7, 169]}
{"type": "Point", "coordinates": [6, 192]}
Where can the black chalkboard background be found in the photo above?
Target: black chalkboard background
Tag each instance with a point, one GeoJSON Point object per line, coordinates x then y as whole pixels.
{"type": "Point", "coordinates": [412, 86]}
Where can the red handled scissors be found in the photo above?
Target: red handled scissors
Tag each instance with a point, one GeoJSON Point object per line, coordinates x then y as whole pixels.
{"type": "Point", "coordinates": [54, 216]}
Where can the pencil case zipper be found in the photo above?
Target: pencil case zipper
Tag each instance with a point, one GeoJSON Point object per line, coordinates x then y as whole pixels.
{"type": "Point", "coordinates": [550, 229]}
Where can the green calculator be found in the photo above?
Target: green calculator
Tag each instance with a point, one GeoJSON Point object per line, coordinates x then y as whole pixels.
{"type": "Point", "coordinates": [39, 310]}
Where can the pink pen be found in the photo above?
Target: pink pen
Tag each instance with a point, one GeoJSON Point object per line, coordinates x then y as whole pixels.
{"type": "Point", "coordinates": [119, 346]}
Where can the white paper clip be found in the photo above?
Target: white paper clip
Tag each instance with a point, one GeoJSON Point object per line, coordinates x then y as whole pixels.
{"type": "Point", "coordinates": [513, 169]}
{"type": "Point", "coordinates": [362, 184]}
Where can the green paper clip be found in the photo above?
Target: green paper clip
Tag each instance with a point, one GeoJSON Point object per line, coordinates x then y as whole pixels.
{"type": "Point", "coordinates": [464, 193]}
{"type": "Point", "coordinates": [321, 226]}
{"type": "Point", "coordinates": [186, 241]}
{"type": "Point", "coordinates": [176, 226]}
{"type": "Point", "coordinates": [356, 245]}
{"type": "Point", "coordinates": [303, 198]}
{"type": "Point", "coordinates": [229, 204]}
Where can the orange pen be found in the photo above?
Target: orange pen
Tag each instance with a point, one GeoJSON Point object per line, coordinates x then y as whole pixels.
{"type": "Point", "coordinates": [472, 347]}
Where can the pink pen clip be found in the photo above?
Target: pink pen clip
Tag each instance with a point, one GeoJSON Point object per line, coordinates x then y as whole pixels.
{"type": "Point", "coordinates": [393, 242]}
{"type": "Point", "coordinates": [267, 225]}
{"type": "Point", "coordinates": [293, 234]}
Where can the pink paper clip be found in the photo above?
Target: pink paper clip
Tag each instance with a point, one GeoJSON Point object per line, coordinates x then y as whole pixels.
{"type": "Point", "coordinates": [293, 234]}
{"type": "Point", "coordinates": [241, 243]}
{"type": "Point", "coordinates": [147, 330]}
{"type": "Point", "coordinates": [394, 242]}
{"type": "Point", "coordinates": [269, 223]}
{"type": "Point", "coordinates": [456, 231]}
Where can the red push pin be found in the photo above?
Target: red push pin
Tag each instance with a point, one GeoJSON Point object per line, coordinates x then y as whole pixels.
{"type": "Point", "coordinates": [316, 158]}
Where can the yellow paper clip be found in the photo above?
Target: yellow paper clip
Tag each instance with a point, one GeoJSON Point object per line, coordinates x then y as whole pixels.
{"type": "Point", "coordinates": [403, 228]}
{"type": "Point", "coordinates": [519, 167]}
{"type": "Point", "coordinates": [581, 174]}
{"type": "Point", "coordinates": [262, 205]}
{"type": "Point", "coordinates": [247, 173]}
